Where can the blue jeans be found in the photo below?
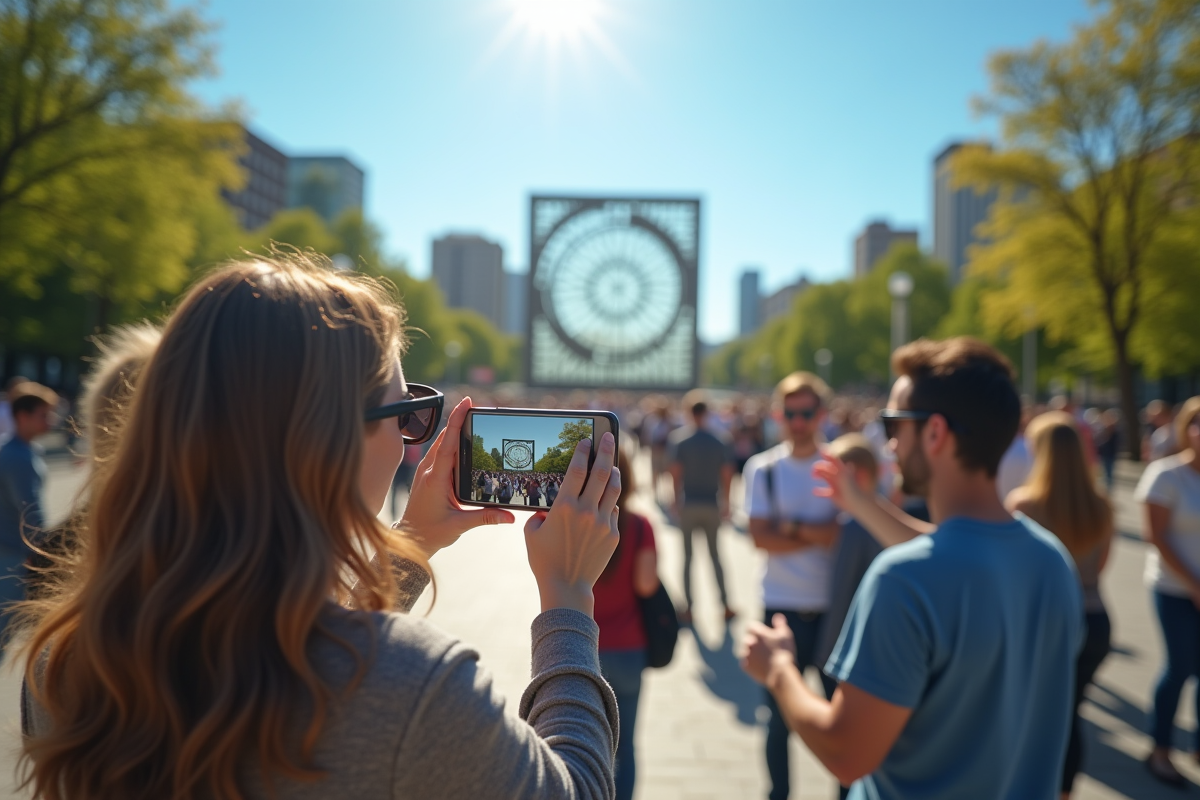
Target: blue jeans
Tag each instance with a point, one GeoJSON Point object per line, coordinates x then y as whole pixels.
{"type": "Point", "coordinates": [806, 628]}
{"type": "Point", "coordinates": [1180, 623]}
{"type": "Point", "coordinates": [623, 671]}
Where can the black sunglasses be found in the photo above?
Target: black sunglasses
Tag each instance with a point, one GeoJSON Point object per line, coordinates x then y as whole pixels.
{"type": "Point", "coordinates": [803, 413]}
{"type": "Point", "coordinates": [418, 416]}
{"type": "Point", "coordinates": [892, 417]}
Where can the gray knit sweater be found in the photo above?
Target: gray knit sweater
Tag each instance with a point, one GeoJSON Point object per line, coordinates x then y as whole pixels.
{"type": "Point", "coordinates": [426, 723]}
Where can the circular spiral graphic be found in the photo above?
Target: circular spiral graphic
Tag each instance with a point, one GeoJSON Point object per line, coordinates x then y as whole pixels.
{"type": "Point", "coordinates": [518, 455]}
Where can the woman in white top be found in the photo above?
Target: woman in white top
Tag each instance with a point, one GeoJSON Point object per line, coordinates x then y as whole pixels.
{"type": "Point", "coordinates": [1170, 488]}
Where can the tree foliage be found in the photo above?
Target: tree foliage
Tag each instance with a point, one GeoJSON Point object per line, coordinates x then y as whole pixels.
{"type": "Point", "coordinates": [1097, 170]}
{"type": "Point", "coordinates": [850, 318]}
{"type": "Point", "coordinates": [480, 458]}
{"type": "Point", "coordinates": [106, 163]}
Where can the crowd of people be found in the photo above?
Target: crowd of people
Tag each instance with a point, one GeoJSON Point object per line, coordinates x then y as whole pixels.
{"type": "Point", "coordinates": [518, 488]}
{"type": "Point", "coordinates": [224, 615]}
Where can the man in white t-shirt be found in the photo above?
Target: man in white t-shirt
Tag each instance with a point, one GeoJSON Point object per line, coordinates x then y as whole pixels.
{"type": "Point", "coordinates": [797, 529]}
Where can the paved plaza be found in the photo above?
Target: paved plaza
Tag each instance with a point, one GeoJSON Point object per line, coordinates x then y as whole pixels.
{"type": "Point", "coordinates": [699, 735]}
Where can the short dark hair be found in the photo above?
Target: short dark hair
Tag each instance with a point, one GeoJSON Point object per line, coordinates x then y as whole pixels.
{"type": "Point", "coordinates": [971, 384]}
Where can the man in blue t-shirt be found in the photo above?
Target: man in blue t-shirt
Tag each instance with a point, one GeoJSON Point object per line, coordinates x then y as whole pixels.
{"type": "Point", "coordinates": [956, 663]}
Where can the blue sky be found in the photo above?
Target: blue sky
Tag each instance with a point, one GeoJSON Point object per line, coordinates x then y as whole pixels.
{"type": "Point", "coordinates": [495, 429]}
{"type": "Point", "coordinates": [796, 122]}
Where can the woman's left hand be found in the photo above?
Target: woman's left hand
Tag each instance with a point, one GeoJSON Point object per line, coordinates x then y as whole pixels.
{"type": "Point", "coordinates": [434, 518]}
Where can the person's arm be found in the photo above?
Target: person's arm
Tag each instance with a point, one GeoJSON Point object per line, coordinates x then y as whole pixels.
{"type": "Point", "coordinates": [645, 572]}
{"type": "Point", "coordinates": [769, 536]}
{"type": "Point", "coordinates": [1158, 521]}
{"type": "Point", "coordinates": [850, 734]}
{"type": "Point", "coordinates": [461, 742]}
{"type": "Point", "coordinates": [888, 523]}
{"type": "Point", "coordinates": [881, 662]}
{"type": "Point", "coordinates": [819, 534]}
{"type": "Point", "coordinates": [676, 470]}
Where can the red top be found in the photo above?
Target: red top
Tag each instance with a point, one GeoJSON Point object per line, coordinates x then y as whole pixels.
{"type": "Point", "coordinates": [617, 612]}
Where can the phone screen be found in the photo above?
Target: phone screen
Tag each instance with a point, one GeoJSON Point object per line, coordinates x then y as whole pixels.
{"type": "Point", "coordinates": [520, 459]}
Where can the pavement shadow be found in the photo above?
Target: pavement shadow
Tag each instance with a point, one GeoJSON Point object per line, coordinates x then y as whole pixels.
{"type": "Point", "coordinates": [724, 677]}
{"type": "Point", "coordinates": [1120, 771]}
{"type": "Point", "coordinates": [1120, 706]}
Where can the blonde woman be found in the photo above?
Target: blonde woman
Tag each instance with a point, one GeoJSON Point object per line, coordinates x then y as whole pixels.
{"type": "Point", "coordinates": [230, 635]}
{"type": "Point", "coordinates": [1060, 495]}
{"type": "Point", "coordinates": [1170, 490]}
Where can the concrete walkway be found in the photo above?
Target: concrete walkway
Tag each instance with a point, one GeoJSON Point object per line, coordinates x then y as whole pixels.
{"type": "Point", "coordinates": [699, 736]}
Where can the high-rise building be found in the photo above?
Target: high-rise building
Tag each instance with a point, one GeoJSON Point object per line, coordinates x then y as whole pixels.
{"type": "Point", "coordinates": [470, 272]}
{"type": "Point", "coordinates": [516, 302]}
{"type": "Point", "coordinates": [265, 191]}
{"type": "Point", "coordinates": [956, 214]}
{"type": "Point", "coordinates": [328, 185]}
{"type": "Point", "coordinates": [874, 243]}
{"type": "Point", "coordinates": [779, 303]}
{"type": "Point", "coordinates": [749, 302]}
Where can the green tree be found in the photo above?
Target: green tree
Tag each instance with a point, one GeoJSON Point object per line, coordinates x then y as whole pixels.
{"type": "Point", "coordinates": [496, 456]}
{"type": "Point", "coordinates": [103, 154]}
{"type": "Point", "coordinates": [852, 319]}
{"type": "Point", "coordinates": [299, 227]}
{"type": "Point", "coordinates": [553, 460]}
{"type": "Point", "coordinates": [1098, 164]}
{"type": "Point", "coordinates": [480, 458]}
{"type": "Point", "coordinates": [870, 307]}
{"type": "Point", "coordinates": [558, 458]}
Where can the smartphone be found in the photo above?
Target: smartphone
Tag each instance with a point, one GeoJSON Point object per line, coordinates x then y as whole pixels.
{"type": "Point", "coordinates": [517, 457]}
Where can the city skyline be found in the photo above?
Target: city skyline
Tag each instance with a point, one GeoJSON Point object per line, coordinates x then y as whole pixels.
{"type": "Point", "coordinates": [796, 125]}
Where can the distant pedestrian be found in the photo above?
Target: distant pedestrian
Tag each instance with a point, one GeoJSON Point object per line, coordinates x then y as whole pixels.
{"type": "Point", "coordinates": [796, 528]}
{"type": "Point", "coordinates": [1017, 462]}
{"type": "Point", "coordinates": [955, 665]}
{"type": "Point", "coordinates": [1170, 489]}
{"type": "Point", "coordinates": [1061, 496]}
{"type": "Point", "coordinates": [104, 404]}
{"type": "Point", "coordinates": [1161, 440]}
{"type": "Point", "coordinates": [632, 573]}
{"type": "Point", "coordinates": [22, 477]}
{"type": "Point", "coordinates": [1108, 445]}
{"type": "Point", "coordinates": [700, 461]}
{"type": "Point", "coordinates": [856, 548]}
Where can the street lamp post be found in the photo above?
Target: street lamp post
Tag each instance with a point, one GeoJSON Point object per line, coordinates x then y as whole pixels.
{"type": "Point", "coordinates": [824, 359]}
{"type": "Point", "coordinates": [900, 287]}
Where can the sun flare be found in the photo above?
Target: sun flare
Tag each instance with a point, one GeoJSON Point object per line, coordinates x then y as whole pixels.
{"type": "Point", "coordinates": [556, 19]}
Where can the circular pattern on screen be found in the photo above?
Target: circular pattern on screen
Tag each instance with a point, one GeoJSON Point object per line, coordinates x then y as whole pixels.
{"type": "Point", "coordinates": [518, 455]}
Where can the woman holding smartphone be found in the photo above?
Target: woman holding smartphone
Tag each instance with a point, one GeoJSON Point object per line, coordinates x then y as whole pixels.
{"type": "Point", "coordinates": [229, 635]}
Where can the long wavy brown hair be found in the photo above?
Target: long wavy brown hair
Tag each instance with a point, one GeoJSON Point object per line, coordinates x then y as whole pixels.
{"type": "Point", "coordinates": [1063, 487]}
{"type": "Point", "coordinates": [229, 524]}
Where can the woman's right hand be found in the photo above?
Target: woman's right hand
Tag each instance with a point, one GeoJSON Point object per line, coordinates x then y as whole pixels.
{"type": "Point", "coordinates": [570, 545]}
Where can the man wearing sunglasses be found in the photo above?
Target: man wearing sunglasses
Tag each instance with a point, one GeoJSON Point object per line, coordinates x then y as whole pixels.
{"type": "Point", "coordinates": [956, 663]}
{"type": "Point", "coordinates": [796, 528]}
